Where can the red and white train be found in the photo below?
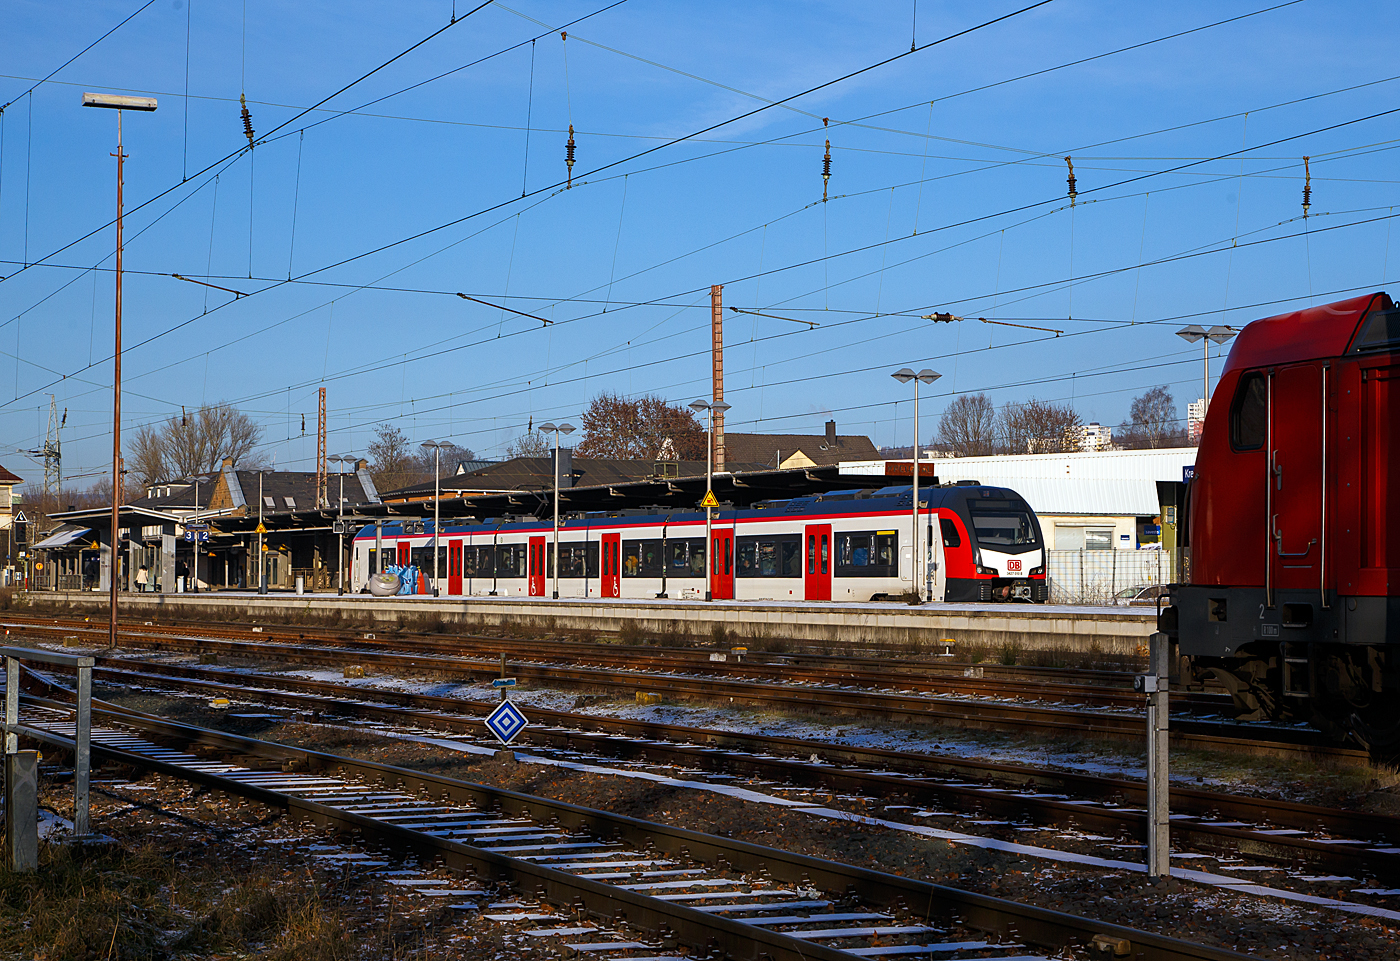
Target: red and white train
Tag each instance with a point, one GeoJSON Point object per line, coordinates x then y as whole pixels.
{"type": "Point", "coordinates": [983, 544]}
{"type": "Point", "coordinates": [1293, 596]}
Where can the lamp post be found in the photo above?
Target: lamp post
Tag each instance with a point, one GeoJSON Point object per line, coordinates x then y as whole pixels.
{"type": "Point", "coordinates": [904, 375]}
{"type": "Point", "coordinates": [1216, 335]}
{"type": "Point", "coordinates": [556, 430]}
{"type": "Point", "coordinates": [194, 587]}
{"type": "Point", "coordinates": [146, 105]}
{"type": "Point", "coordinates": [711, 559]}
{"type": "Point", "coordinates": [340, 460]}
{"type": "Point", "coordinates": [262, 561]}
{"type": "Point", "coordinates": [436, 446]}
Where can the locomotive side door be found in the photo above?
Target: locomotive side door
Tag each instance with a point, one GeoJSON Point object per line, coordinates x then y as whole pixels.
{"type": "Point", "coordinates": [817, 562]}
{"type": "Point", "coordinates": [454, 567]}
{"type": "Point", "coordinates": [722, 563]}
{"type": "Point", "coordinates": [536, 561]}
{"type": "Point", "coordinates": [1295, 475]}
{"type": "Point", "coordinates": [610, 565]}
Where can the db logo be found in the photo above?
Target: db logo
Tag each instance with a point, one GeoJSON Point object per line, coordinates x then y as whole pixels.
{"type": "Point", "coordinates": [1013, 566]}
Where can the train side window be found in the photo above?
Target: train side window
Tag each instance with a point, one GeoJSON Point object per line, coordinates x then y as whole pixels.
{"type": "Point", "coordinates": [951, 537]}
{"type": "Point", "coordinates": [642, 558]}
{"type": "Point", "coordinates": [1248, 413]}
{"type": "Point", "coordinates": [790, 565]}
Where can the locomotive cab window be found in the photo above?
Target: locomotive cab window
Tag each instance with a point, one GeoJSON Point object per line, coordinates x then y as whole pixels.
{"type": "Point", "coordinates": [1380, 331]}
{"type": "Point", "coordinates": [1248, 414]}
{"type": "Point", "coordinates": [1005, 530]}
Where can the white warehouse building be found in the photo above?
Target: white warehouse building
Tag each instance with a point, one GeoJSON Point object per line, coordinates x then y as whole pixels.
{"type": "Point", "coordinates": [1102, 500]}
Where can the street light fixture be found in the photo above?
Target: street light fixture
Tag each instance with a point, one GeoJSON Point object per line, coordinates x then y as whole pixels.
{"type": "Point", "coordinates": [556, 430]}
{"type": "Point", "coordinates": [904, 375]}
{"type": "Point", "coordinates": [340, 460]}
{"type": "Point", "coordinates": [711, 556]}
{"type": "Point", "coordinates": [436, 447]}
{"type": "Point", "coordinates": [118, 103]}
{"type": "Point", "coordinates": [194, 587]}
{"type": "Point", "coordinates": [1216, 335]}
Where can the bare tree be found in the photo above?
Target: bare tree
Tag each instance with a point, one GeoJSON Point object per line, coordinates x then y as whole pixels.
{"type": "Point", "coordinates": [640, 429]}
{"type": "Point", "coordinates": [1152, 422]}
{"type": "Point", "coordinates": [446, 459]}
{"type": "Point", "coordinates": [1039, 427]}
{"type": "Point", "coordinates": [533, 443]}
{"type": "Point", "coordinates": [392, 462]}
{"type": "Point", "coordinates": [194, 443]}
{"type": "Point", "coordinates": [968, 426]}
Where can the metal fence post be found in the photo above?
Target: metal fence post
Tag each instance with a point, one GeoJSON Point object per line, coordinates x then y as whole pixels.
{"type": "Point", "coordinates": [11, 704]}
{"type": "Point", "coordinates": [22, 811]}
{"type": "Point", "coordinates": [82, 752]}
{"type": "Point", "coordinates": [1154, 684]}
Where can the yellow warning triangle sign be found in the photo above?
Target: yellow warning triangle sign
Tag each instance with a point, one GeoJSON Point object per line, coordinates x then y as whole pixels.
{"type": "Point", "coordinates": [710, 500]}
{"type": "Point", "coordinates": [260, 529]}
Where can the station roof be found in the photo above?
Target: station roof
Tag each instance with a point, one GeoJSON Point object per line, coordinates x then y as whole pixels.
{"type": "Point", "coordinates": [740, 489]}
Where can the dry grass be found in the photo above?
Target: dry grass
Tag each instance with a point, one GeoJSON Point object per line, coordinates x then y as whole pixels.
{"type": "Point", "coordinates": [139, 903]}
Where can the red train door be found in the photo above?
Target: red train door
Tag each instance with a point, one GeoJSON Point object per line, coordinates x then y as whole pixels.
{"type": "Point", "coordinates": [722, 563]}
{"type": "Point", "coordinates": [610, 565]}
{"type": "Point", "coordinates": [1295, 524]}
{"type": "Point", "coordinates": [817, 551]}
{"type": "Point", "coordinates": [454, 567]}
{"type": "Point", "coordinates": [537, 567]}
{"type": "Point", "coordinates": [405, 553]}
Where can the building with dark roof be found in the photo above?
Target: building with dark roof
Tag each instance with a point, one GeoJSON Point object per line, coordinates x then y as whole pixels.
{"type": "Point", "coordinates": [776, 451]}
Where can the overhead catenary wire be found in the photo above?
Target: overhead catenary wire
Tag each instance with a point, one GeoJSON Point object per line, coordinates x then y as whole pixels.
{"type": "Point", "coordinates": [317, 106]}
{"type": "Point", "coordinates": [75, 56]}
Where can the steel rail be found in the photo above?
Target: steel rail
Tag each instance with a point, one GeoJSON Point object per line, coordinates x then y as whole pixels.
{"type": "Point", "coordinates": [1015, 681]}
{"type": "Point", "coordinates": [1378, 832]}
{"type": "Point", "coordinates": [942, 904]}
{"type": "Point", "coordinates": [967, 714]}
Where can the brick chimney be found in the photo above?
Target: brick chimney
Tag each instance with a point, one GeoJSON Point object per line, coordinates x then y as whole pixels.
{"type": "Point", "coordinates": [830, 434]}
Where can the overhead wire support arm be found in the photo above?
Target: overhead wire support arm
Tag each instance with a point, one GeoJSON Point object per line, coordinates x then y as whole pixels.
{"type": "Point", "coordinates": [204, 283]}
{"type": "Point", "coordinates": [512, 310]}
{"type": "Point", "coordinates": [757, 313]}
{"type": "Point", "coordinates": [950, 318]}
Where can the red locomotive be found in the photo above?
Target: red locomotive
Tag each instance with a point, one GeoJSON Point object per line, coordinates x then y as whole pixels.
{"type": "Point", "coordinates": [1293, 525]}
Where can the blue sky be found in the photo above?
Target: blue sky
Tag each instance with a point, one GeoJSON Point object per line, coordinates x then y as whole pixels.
{"type": "Point", "coordinates": [943, 197]}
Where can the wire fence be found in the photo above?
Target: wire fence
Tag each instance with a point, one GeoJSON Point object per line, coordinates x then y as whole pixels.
{"type": "Point", "coordinates": [1093, 577]}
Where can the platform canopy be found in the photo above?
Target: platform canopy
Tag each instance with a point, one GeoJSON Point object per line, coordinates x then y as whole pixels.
{"type": "Point", "coordinates": [62, 538]}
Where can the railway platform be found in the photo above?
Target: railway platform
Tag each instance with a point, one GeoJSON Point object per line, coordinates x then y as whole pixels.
{"type": "Point", "coordinates": [1109, 630]}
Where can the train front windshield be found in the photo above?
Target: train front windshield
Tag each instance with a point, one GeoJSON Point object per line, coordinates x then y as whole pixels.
{"type": "Point", "coordinates": [1005, 529]}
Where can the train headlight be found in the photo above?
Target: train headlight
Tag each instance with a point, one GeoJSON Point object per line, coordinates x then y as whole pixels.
{"type": "Point", "coordinates": [987, 571]}
{"type": "Point", "coordinates": [1037, 570]}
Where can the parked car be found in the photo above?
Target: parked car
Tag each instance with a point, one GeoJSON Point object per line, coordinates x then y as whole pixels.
{"type": "Point", "coordinates": [1144, 595]}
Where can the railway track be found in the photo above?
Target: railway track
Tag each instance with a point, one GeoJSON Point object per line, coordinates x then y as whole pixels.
{"type": "Point", "coordinates": [966, 713]}
{"type": "Point", "coordinates": [1094, 688]}
{"type": "Point", "coordinates": [1281, 832]}
{"type": "Point", "coordinates": [718, 896]}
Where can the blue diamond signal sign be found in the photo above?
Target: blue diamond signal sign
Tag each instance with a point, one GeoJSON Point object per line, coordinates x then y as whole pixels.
{"type": "Point", "coordinates": [506, 722]}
